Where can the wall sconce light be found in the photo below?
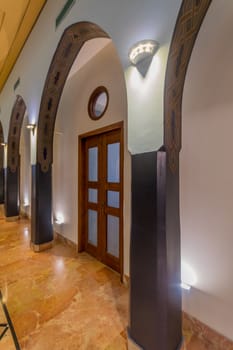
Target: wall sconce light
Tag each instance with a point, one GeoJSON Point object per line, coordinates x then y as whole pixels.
{"type": "Point", "coordinates": [31, 127]}
{"type": "Point", "coordinates": [142, 50]}
{"type": "Point", "coordinates": [3, 144]}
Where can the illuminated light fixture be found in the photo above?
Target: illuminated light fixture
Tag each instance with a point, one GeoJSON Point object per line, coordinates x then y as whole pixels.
{"type": "Point", "coordinates": [142, 50]}
{"type": "Point", "coordinates": [31, 127]}
{"type": "Point", "coordinates": [188, 276]}
{"type": "Point", "coordinates": [185, 286]}
{"type": "Point", "coordinates": [59, 219]}
{"type": "Point", "coordinates": [3, 144]}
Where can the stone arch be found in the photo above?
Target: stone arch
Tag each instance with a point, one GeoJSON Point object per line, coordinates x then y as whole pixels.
{"type": "Point", "coordinates": [188, 24]}
{"type": "Point", "coordinates": [68, 48]}
{"type": "Point", "coordinates": [13, 158]}
{"type": "Point", "coordinates": [189, 21]}
{"type": "Point", "coordinates": [1, 165]}
{"type": "Point", "coordinates": [71, 42]}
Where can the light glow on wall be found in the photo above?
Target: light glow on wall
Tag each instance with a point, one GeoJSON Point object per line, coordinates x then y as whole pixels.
{"type": "Point", "coordinates": [26, 201]}
{"type": "Point", "coordinates": [140, 83]}
{"type": "Point", "coordinates": [59, 219]}
{"type": "Point", "coordinates": [188, 276]}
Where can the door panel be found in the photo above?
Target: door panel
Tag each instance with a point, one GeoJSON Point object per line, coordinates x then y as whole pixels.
{"type": "Point", "coordinates": [103, 177]}
{"type": "Point", "coordinates": [92, 227]}
{"type": "Point", "coordinates": [113, 162]}
{"type": "Point", "coordinates": [113, 235]}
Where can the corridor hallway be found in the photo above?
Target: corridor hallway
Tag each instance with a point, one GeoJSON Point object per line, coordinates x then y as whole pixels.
{"type": "Point", "coordinates": [60, 300]}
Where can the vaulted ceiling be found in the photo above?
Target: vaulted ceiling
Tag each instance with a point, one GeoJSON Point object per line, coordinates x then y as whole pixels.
{"type": "Point", "coordinates": [16, 22]}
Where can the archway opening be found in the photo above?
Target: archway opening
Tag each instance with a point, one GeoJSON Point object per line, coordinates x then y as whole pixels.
{"type": "Point", "coordinates": [13, 181]}
{"type": "Point", "coordinates": [25, 169]}
{"type": "Point", "coordinates": [206, 173]}
{"type": "Point", "coordinates": [66, 61]}
{"type": "Point", "coordinates": [96, 65]}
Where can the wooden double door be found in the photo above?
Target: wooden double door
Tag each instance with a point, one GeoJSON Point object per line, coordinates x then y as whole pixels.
{"type": "Point", "coordinates": [102, 196]}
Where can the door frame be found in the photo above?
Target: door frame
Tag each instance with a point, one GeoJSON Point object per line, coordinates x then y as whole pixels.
{"type": "Point", "coordinates": [81, 171]}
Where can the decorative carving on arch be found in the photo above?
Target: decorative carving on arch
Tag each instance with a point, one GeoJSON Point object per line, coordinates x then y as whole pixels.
{"type": "Point", "coordinates": [16, 121]}
{"type": "Point", "coordinates": [72, 40]}
{"type": "Point", "coordinates": [1, 148]}
{"type": "Point", "coordinates": [190, 18]}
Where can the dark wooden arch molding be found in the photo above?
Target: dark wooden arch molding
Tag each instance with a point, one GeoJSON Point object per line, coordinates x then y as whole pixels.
{"type": "Point", "coordinates": [68, 48]}
{"type": "Point", "coordinates": [71, 42]}
{"type": "Point", "coordinates": [13, 158]}
{"type": "Point", "coordinates": [190, 18]}
{"type": "Point", "coordinates": [1, 165]}
{"type": "Point", "coordinates": [155, 293]}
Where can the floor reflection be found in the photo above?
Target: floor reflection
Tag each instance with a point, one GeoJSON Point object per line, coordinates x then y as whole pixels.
{"type": "Point", "coordinates": [58, 300]}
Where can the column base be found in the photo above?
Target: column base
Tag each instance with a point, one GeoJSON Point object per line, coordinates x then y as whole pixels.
{"type": "Point", "coordinates": [182, 345]}
{"type": "Point", "coordinates": [131, 343]}
{"type": "Point", "coordinates": [41, 247]}
{"type": "Point", "coordinates": [134, 346]}
{"type": "Point", "coordinates": [12, 218]}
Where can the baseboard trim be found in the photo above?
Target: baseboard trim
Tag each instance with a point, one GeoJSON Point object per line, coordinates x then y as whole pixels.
{"type": "Point", "coordinates": [37, 248]}
{"type": "Point", "coordinates": [24, 215]}
{"type": "Point", "coordinates": [209, 335]}
{"type": "Point", "coordinates": [58, 237]}
{"type": "Point", "coordinates": [12, 218]}
{"type": "Point", "coordinates": [132, 345]}
{"type": "Point", "coordinates": [126, 280]}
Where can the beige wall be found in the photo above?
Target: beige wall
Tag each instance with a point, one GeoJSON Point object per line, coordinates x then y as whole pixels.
{"type": "Point", "coordinates": [73, 120]}
{"type": "Point", "coordinates": [25, 169]}
{"type": "Point", "coordinates": [145, 104]}
{"type": "Point", "coordinates": [206, 182]}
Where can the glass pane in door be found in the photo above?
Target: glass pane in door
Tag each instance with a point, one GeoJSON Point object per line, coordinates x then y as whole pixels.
{"type": "Point", "coordinates": [92, 195]}
{"type": "Point", "coordinates": [113, 199]}
{"type": "Point", "coordinates": [113, 159]}
{"type": "Point", "coordinates": [113, 227]}
{"type": "Point", "coordinates": [92, 227]}
{"type": "Point", "coordinates": [93, 164]}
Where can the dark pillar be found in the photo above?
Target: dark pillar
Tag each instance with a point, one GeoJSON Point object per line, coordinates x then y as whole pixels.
{"type": "Point", "coordinates": [41, 224]}
{"type": "Point", "coordinates": [155, 293]}
{"type": "Point", "coordinates": [2, 186]}
{"type": "Point", "coordinates": [12, 193]}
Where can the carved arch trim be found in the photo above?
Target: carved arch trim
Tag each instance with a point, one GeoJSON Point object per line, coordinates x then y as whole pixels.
{"type": "Point", "coordinates": [71, 42]}
{"type": "Point", "coordinates": [14, 133]}
{"type": "Point", "coordinates": [1, 148]}
{"type": "Point", "coordinates": [189, 21]}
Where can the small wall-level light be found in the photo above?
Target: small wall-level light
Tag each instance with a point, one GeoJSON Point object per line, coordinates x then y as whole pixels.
{"type": "Point", "coordinates": [188, 276]}
{"type": "Point", "coordinates": [59, 220]}
{"type": "Point", "coordinates": [3, 144]}
{"type": "Point", "coordinates": [185, 286]}
{"type": "Point", "coordinates": [141, 50]}
{"type": "Point", "coordinates": [31, 127]}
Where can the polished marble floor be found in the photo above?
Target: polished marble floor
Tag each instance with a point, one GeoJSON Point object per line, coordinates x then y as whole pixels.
{"type": "Point", "coordinates": [64, 301]}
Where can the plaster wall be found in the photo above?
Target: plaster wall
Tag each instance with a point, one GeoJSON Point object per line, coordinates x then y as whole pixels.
{"type": "Point", "coordinates": [206, 183]}
{"type": "Point", "coordinates": [25, 169]}
{"type": "Point", "coordinates": [73, 120]}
